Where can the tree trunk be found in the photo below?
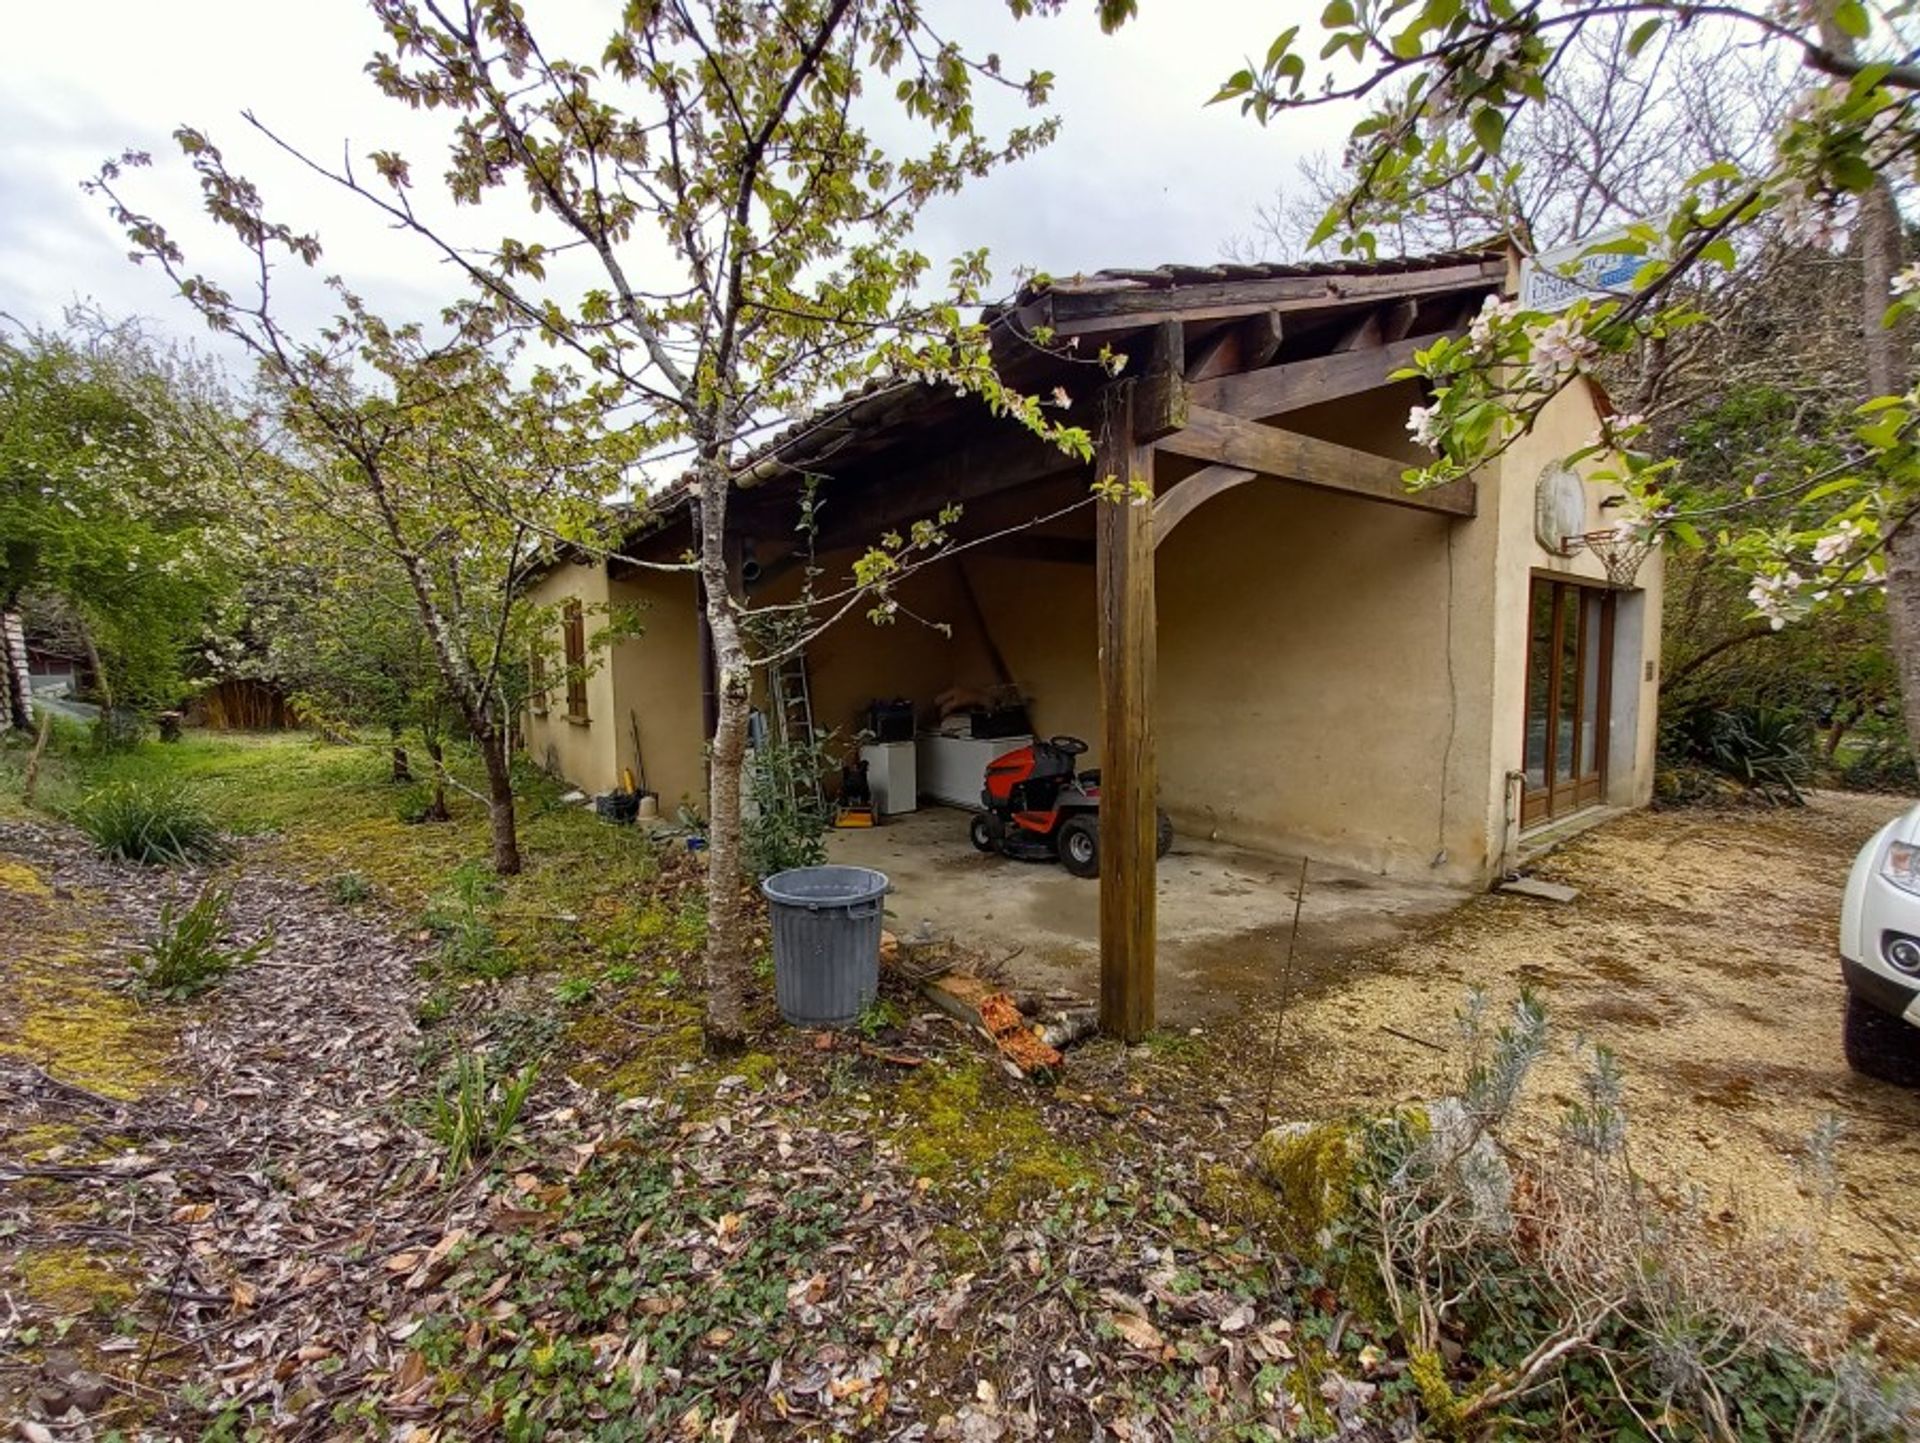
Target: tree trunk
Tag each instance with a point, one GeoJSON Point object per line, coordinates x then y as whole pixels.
{"type": "Point", "coordinates": [437, 808]}
{"type": "Point", "coordinates": [1882, 253]}
{"type": "Point", "coordinates": [500, 822]}
{"type": "Point", "coordinates": [402, 770]}
{"type": "Point", "coordinates": [726, 960]}
{"type": "Point", "coordinates": [1882, 244]}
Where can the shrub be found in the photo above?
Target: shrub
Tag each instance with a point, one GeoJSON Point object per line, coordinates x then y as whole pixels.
{"type": "Point", "coordinates": [1578, 1303]}
{"type": "Point", "coordinates": [152, 824]}
{"type": "Point", "coordinates": [788, 816]}
{"type": "Point", "coordinates": [348, 888]}
{"type": "Point", "coordinates": [118, 729]}
{"type": "Point", "coordinates": [1883, 765]}
{"type": "Point", "coordinates": [192, 949]}
{"type": "Point", "coordinates": [472, 1113]}
{"type": "Point", "coordinates": [1763, 748]}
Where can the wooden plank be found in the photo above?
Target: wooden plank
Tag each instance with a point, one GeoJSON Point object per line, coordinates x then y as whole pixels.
{"type": "Point", "coordinates": [1262, 337]}
{"type": "Point", "coordinates": [1220, 354]}
{"type": "Point", "coordinates": [1259, 395]}
{"type": "Point", "coordinates": [1128, 657]}
{"type": "Point", "coordinates": [1185, 497]}
{"type": "Point", "coordinates": [990, 457]}
{"type": "Point", "coordinates": [1364, 334]}
{"type": "Point", "coordinates": [1081, 313]}
{"type": "Point", "coordinates": [1397, 321]}
{"type": "Point", "coordinates": [1231, 441]}
{"type": "Point", "coordinates": [1160, 400]}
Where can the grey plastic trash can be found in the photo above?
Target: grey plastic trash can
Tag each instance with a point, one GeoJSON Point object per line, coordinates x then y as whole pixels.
{"type": "Point", "coordinates": [826, 942]}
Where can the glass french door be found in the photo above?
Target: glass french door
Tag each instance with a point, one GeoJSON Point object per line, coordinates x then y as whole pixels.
{"type": "Point", "coordinates": [1569, 658]}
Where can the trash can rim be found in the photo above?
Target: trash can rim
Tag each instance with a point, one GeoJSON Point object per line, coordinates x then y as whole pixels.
{"type": "Point", "coordinates": [876, 884]}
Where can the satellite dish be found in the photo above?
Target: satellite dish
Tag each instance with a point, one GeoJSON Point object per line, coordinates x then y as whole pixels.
{"type": "Point", "coordinates": [1559, 507]}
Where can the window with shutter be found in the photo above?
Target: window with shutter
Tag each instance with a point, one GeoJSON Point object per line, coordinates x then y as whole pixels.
{"type": "Point", "coordinates": [573, 630]}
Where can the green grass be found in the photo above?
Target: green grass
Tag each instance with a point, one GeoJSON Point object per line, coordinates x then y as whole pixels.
{"type": "Point", "coordinates": [331, 810]}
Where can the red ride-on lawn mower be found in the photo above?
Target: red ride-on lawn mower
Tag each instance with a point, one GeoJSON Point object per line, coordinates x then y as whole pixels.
{"type": "Point", "coordinates": [1039, 808]}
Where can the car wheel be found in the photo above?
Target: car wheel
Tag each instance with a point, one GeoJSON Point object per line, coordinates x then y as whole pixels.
{"type": "Point", "coordinates": [1881, 1046]}
{"type": "Point", "coordinates": [1162, 834]}
{"type": "Point", "coordinates": [1078, 843]}
{"type": "Point", "coordinates": [981, 832]}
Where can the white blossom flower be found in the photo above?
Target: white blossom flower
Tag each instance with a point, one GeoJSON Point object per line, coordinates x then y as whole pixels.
{"type": "Point", "coordinates": [1558, 346]}
{"type": "Point", "coordinates": [1906, 280]}
{"type": "Point", "coordinates": [1837, 543]}
{"type": "Point", "coordinates": [1492, 311]}
{"type": "Point", "coordinates": [1772, 596]}
{"type": "Point", "coordinates": [1421, 424]}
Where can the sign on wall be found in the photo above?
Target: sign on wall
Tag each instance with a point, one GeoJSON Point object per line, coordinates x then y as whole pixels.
{"type": "Point", "coordinates": [1555, 279]}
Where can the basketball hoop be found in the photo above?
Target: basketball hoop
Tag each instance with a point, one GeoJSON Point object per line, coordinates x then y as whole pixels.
{"type": "Point", "coordinates": [1620, 550]}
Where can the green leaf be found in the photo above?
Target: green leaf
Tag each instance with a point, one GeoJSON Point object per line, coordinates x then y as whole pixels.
{"type": "Point", "coordinates": [1719, 252]}
{"type": "Point", "coordinates": [1686, 534]}
{"type": "Point", "coordinates": [1831, 488]}
{"type": "Point", "coordinates": [1643, 32]}
{"type": "Point", "coordinates": [1851, 17]}
{"type": "Point", "coordinates": [1489, 128]}
{"type": "Point", "coordinates": [1853, 173]}
{"type": "Point", "coordinates": [1338, 12]}
{"type": "Point", "coordinates": [1282, 43]}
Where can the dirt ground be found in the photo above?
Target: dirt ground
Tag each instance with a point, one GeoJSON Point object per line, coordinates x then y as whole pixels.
{"type": "Point", "coordinates": [1224, 913]}
{"type": "Point", "coordinates": [1701, 952]}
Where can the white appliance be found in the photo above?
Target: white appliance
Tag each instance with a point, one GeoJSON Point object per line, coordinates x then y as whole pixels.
{"type": "Point", "coordinates": [954, 769]}
{"type": "Point", "coordinates": [891, 775]}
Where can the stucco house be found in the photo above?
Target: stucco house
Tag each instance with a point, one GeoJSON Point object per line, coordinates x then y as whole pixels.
{"type": "Point", "coordinates": [1304, 657]}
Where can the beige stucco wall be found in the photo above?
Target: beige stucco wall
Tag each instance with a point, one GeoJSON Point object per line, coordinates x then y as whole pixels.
{"type": "Point", "coordinates": [1335, 675]}
{"type": "Point", "coordinates": [657, 687]}
{"type": "Point", "coordinates": [573, 750]}
{"type": "Point", "coordinates": [1568, 425]}
{"type": "Point", "coordinates": [652, 679]}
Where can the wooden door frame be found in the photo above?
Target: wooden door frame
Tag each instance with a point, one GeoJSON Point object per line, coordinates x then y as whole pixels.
{"type": "Point", "coordinates": [1555, 799]}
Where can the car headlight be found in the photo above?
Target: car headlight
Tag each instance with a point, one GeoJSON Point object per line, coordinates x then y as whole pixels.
{"type": "Point", "coordinates": [1901, 866]}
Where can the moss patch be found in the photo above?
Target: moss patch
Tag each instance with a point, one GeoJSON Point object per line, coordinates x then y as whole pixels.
{"type": "Point", "coordinates": [960, 1128]}
{"type": "Point", "coordinates": [62, 1281]}
{"type": "Point", "coordinates": [1313, 1169]}
{"type": "Point", "coordinates": [21, 880]}
{"type": "Point", "coordinates": [84, 1033]}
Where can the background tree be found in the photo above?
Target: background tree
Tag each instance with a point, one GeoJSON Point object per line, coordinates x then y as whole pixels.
{"type": "Point", "coordinates": [114, 479]}
{"type": "Point", "coordinates": [1614, 138]}
{"type": "Point", "coordinates": [717, 234]}
{"type": "Point", "coordinates": [426, 452]}
{"type": "Point", "coordinates": [1448, 83]}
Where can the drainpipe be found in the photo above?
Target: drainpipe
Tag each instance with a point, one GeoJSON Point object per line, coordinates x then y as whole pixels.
{"type": "Point", "coordinates": [1510, 835]}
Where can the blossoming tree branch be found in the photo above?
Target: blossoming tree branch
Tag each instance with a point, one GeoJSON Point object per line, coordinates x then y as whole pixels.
{"type": "Point", "coordinates": [1443, 81]}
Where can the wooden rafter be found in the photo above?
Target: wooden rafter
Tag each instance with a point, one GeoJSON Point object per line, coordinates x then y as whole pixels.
{"type": "Point", "coordinates": [1231, 441]}
{"type": "Point", "coordinates": [1182, 499]}
{"type": "Point", "coordinates": [1276, 390]}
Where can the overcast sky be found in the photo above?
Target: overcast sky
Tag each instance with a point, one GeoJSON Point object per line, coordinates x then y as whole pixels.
{"type": "Point", "coordinates": [1142, 173]}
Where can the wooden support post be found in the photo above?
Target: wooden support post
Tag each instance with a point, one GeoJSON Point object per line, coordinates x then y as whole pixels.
{"type": "Point", "coordinates": [1124, 570]}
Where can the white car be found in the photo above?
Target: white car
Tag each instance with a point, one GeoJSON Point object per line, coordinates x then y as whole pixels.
{"type": "Point", "coordinates": [1880, 953]}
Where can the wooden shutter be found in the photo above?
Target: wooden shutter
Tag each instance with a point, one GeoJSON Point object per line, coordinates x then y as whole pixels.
{"type": "Point", "coordinates": [573, 629]}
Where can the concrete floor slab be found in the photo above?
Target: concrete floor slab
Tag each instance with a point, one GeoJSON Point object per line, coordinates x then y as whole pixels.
{"type": "Point", "coordinates": [1224, 913]}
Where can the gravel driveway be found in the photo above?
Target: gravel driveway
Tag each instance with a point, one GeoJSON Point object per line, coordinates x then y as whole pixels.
{"type": "Point", "coordinates": [1702, 952]}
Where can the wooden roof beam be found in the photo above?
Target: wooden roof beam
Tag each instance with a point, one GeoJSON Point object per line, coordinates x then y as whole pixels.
{"type": "Point", "coordinates": [1258, 395]}
{"type": "Point", "coordinates": [1237, 444]}
{"type": "Point", "coordinates": [1072, 313]}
